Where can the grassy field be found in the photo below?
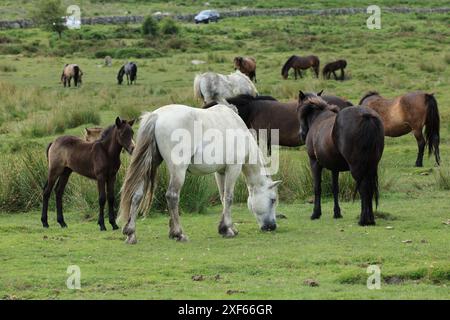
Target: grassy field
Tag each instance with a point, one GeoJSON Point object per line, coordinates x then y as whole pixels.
{"type": "Point", "coordinates": [410, 242]}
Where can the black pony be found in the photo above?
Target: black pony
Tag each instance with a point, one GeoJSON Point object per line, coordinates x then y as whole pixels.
{"type": "Point", "coordinates": [130, 70]}
{"type": "Point", "coordinates": [342, 140]}
{"type": "Point", "coordinates": [332, 67]}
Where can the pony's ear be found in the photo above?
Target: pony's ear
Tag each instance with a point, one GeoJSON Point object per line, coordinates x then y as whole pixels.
{"type": "Point", "coordinates": [118, 122]}
{"type": "Point", "coordinates": [131, 122]}
{"type": "Point", "coordinates": [301, 96]}
{"type": "Point", "coordinates": [320, 93]}
{"type": "Point", "coordinates": [274, 184]}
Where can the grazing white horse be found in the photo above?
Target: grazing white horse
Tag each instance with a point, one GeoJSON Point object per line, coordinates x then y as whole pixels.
{"type": "Point", "coordinates": [201, 141]}
{"type": "Point", "coordinates": [217, 87]}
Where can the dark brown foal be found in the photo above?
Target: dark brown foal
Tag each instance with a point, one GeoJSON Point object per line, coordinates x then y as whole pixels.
{"type": "Point", "coordinates": [98, 160]}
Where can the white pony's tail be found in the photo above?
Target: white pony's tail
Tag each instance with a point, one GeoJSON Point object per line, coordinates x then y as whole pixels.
{"type": "Point", "coordinates": [197, 91]}
{"type": "Point", "coordinates": [142, 169]}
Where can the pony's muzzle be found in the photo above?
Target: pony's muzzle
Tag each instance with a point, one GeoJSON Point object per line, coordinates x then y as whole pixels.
{"type": "Point", "coordinates": [269, 226]}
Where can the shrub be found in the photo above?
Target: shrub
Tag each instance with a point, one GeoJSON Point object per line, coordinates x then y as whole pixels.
{"type": "Point", "coordinates": [150, 27]}
{"type": "Point", "coordinates": [169, 26]}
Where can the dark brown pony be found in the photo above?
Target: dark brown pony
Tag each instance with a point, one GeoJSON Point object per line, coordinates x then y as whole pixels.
{"type": "Point", "coordinates": [350, 139]}
{"type": "Point", "coordinates": [246, 65]}
{"type": "Point", "coordinates": [265, 112]}
{"type": "Point", "coordinates": [332, 67]}
{"type": "Point", "coordinates": [99, 160]}
{"type": "Point", "coordinates": [410, 112]}
{"type": "Point", "coordinates": [299, 63]}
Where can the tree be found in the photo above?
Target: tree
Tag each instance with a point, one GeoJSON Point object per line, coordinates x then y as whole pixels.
{"type": "Point", "coordinates": [150, 27]}
{"type": "Point", "coordinates": [49, 15]}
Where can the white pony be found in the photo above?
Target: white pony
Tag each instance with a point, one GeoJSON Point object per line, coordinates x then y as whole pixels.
{"type": "Point", "coordinates": [217, 87]}
{"type": "Point", "coordinates": [160, 137]}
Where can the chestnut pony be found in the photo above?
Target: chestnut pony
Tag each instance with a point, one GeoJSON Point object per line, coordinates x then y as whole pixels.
{"type": "Point", "coordinates": [349, 139]}
{"type": "Point", "coordinates": [247, 65]}
{"type": "Point", "coordinates": [410, 112]}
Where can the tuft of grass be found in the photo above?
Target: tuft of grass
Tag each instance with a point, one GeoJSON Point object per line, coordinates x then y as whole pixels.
{"type": "Point", "coordinates": [7, 68]}
{"type": "Point", "coordinates": [442, 177]}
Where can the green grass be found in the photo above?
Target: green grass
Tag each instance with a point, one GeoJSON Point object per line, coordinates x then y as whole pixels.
{"type": "Point", "coordinates": [258, 265]}
{"type": "Point", "coordinates": [409, 53]}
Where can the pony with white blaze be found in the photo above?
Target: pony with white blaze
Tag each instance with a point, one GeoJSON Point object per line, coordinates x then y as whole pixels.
{"type": "Point", "coordinates": [160, 138]}
{"type": "Point", "coordinates": [217, 87]}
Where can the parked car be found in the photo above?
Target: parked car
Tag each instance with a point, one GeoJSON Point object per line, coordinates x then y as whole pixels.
{"type": "Point", "coordinates": [207, 16]}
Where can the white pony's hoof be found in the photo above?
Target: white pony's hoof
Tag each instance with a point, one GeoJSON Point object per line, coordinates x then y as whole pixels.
{"type": "Point", "coordinates": [182, 238]}
{"type": "Point", "coordinates": [131, 239]}
{"type": "Point", "coordinates": [230, 233]}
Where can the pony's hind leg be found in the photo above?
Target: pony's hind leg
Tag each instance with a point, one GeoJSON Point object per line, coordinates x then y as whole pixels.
{"type": "Point", "coordinates": [335, 187]}
{"type": "Point", "coordinates": [110, 195]}
{"type": "Point", "coordinates": [59, 191]}
{"type": "Point", "coordinates": [177, 177]}
{"type": "Point", "coordinates": [366, 193]}
{"type": "Point", "coordinates": [421, 146]}
{"type": "Point", "coordinates": [130, 228]}
{"type": "Point", "coordinates": [45, 198]}
{"type": "Point", "coordinates": [226, 183]}
{"type": "Point", "coordinates": [316, 169]}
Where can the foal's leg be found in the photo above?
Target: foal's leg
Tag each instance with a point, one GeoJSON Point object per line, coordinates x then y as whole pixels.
{"type": "Point", "coordinates": [110, 195]}
{"type": "Point", "coordinates": [316, 169]}
{"type": "Point", "coordinates": [59, 190]}
{"type": "Point", "coordinates": [52, 177]}
{"type": "Point", "coordinates": [101, 203]}
{"type": "Point", "coordinates": [342, 74]}
{"type": "Point", "coordinates": [177, 177]}
{"type": "Point", "coordinates": [229, 180]}
{"type": "Point", "coordinates": [335, 187]}
{"type": "Point", "coordinates": [68, 80]}
{"type": "Point", "coordinates": [421, 146]}
{"type": "Point", "coordinates": [335, 76]}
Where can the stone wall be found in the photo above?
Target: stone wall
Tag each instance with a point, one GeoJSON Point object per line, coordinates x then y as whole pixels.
{"type": "Point", "coordinates": [14, 24]}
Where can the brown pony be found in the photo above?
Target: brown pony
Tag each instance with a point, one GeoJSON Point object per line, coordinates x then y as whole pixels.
{"type": "Point", "coordinates": [265, 112]}
{"type": "Point", "coordinates": [410, 112]}
{"type": "Point", "coordinates": [99, 160]}
{"type": "Point", "coordinates": [246, 65]}
{"type": "Point", "coordinates": [332, 67]}
{"type": "Point", "coordinates": [92, 134]}
{"type": "Point", "coordinates": [71, 71]}
{"type": "Point", "coordinates": [350, 139]}
{"type": "Point", "coordinates": [299, 63]}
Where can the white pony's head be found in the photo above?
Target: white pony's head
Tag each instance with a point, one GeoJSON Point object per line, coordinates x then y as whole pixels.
{"type": "Point", "coordinates": [262, 201]}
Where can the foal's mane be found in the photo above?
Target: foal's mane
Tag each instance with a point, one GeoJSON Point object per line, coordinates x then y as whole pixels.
{"type": "Point", "coordinates": [106, 132]}
{"type": "Point", "coordinates": [368, 94]}
{"type": "Point", "coordinates": [316, 103]}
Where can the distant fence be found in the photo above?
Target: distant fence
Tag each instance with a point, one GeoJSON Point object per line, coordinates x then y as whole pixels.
{"type": "Point", "coordinates": [25, 23]}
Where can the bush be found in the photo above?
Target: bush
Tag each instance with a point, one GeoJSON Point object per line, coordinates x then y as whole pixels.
{"type": "Point", "coordinates": [150, 27]}
{"type": "Point", "coordinates": [169, 26]}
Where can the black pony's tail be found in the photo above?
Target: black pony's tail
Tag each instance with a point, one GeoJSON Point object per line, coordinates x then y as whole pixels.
{"type": "Point", "coordinates": [287, 65]}
{"type": "Point", "coordinates": [371, 145]}
{"type": "Point", "coordinates": [432, 124]}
